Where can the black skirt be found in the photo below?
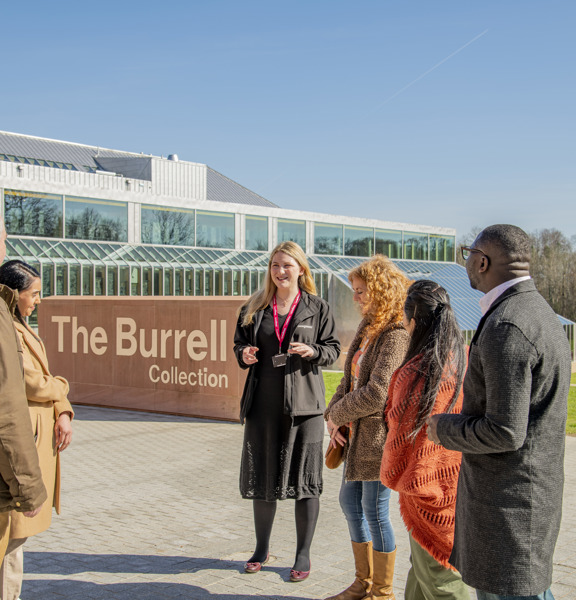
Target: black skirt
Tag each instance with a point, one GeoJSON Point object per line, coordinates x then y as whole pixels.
{"type": "Point", "coordinates": [281, 456]}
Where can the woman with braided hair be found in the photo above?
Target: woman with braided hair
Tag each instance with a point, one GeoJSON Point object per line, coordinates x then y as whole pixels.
{"type": "Point", "coordinates": [426, 475]}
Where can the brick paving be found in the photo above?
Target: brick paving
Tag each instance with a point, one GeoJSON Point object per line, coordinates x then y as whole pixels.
{"type": "Point", "coordinates": [151, 510]}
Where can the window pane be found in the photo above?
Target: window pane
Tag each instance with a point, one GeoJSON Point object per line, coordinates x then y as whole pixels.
{"type": "Point", "coordinates": [327, 239]}
{"type": "Point", "coordinates": [62, 280]}
{"type": "Point", "coordinates": [135, 281]}
{"type": "Point", "coordinates": [32, 213]}
{"type": "Point", "coordinates": [100, 275]}
{"type": "Point", "coordinates": [245, 283]}
{"type": "Point", "coordinates": [295, 231]}
{"type": "Point", "coordinates": [87, 280]}
{"type": "Point", "coordinates": [415, 246]}
{"type": "Point", "coordinates": [359, 241]}
{"type": "Point", "coordinates": [147, 281]}
{"type": "Point", "coordinates": [254, 282]}
{"type": "Point", "coordinates": [178, 282]}
{"type": "Point", "coordinates": [209, 283]}
{"type": "Point", "coordinates": [442, 247]}
{"type": "Point", "coordinates": [214, 230]}
{"type": "Point", "coordinates": [256, 233]}
{"type": "Point", "coordinates": [124, 282]}
{"type": "Point", "coordinates": [168, 281]}
{"type": "Point", "coordinates": [112, 281]}
{"type": "Point", "coordinates": [199, 276]}
{"type": "Point", "coordinates": [47, 280]}
{"type": "Point", "coordinates": [388, 243]}
{"type": "Point", "coordinates": [74, 280]}
{"type": "Point", "coordinates": [88, 219]}
{"type": "Point", "coordinates": [167, 226]}
{"type": "Point", "coordinates": [189, 290]}
{"type": "Point", "coordinates": [158, 280]}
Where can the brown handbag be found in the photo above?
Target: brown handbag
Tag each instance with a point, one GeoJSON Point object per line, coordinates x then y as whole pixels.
{"type": "Point", "coordinates": [335, 455]}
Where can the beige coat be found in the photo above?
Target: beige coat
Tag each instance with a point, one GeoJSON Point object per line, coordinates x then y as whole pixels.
{"type": "Point", "coordinates": [21, 486]}
{"type": "Point", "coordinates": [47, 398]}
{"type": "Point", "coordinates": [364, 407]}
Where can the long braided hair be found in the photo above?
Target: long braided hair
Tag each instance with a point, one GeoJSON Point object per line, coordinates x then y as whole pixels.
{"type": "Point", "coordinates": [438, 340]}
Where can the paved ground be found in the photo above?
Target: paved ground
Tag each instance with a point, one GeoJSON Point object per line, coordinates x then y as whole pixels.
{"type": "Point", "coordinates": [151, 511]}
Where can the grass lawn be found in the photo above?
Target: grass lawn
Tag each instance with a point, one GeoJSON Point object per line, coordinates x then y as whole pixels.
{"type": "Point", "coordinates": [332, 379]}
{"type": "Point", "coordinates": [571, 424]}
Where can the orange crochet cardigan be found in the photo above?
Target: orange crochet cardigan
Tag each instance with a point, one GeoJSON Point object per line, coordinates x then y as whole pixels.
{"type": "Point", "coordinates": [425, 475]}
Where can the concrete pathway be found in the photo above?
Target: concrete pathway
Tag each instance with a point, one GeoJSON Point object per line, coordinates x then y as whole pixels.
{"type": "Point", "coordinates": [151, 511]}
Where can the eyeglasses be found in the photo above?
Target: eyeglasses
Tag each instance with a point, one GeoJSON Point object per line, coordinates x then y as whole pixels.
{"type": "Point", "coordinates": [467, 251]}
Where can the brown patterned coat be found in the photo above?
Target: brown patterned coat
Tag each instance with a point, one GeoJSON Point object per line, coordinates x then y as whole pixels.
{"type": "Point", "coordinates": [364, 406]}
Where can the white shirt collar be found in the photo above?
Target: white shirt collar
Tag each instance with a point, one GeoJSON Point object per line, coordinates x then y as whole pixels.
{"type": "Point", "coordinates": [488, 299]}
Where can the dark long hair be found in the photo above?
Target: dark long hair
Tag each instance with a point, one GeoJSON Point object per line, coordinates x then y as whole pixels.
{"type": "Point", "coordinates": [19, 276]}
{"type": "Point", "coordinates": [438, 340]}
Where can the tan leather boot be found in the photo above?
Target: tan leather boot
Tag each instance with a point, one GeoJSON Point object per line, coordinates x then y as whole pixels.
{"type": "Point", "coordinates": [362, 584]}
{"type": "Point", "coordinates": [382, 575]}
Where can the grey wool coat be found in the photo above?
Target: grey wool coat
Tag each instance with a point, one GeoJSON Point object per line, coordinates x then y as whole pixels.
{"type": "Point", "coordinates": [364, 406]}
{"type": "Point", "coordinates": [511, 432]}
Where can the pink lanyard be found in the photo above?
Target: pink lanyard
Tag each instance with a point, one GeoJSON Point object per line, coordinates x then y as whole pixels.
{"type": "Point", "coordinates": [281, 335]}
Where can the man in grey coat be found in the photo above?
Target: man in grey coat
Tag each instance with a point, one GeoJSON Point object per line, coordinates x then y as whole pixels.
{"type": "Point", "coordinates": [511, 431]}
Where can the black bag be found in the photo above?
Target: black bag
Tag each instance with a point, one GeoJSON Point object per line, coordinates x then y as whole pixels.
{"type": "Point", "coordinates": [248, 394]}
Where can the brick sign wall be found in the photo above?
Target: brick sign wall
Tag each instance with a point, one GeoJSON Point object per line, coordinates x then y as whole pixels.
{"type": "Point", "coordinates": [161, 354]}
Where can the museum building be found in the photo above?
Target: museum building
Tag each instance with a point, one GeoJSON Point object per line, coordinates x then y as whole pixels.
{"type": "Point", "coordinates": [101, 222]}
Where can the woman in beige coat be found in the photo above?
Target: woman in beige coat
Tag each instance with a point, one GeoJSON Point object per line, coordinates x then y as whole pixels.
{"type": "Point", "coordinates": [376, 351]}
{"type": "Point", "coordinates": [50, 414]}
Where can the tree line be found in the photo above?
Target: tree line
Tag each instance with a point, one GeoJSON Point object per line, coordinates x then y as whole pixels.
{"type": "Point", "coordinates": [553, 267]}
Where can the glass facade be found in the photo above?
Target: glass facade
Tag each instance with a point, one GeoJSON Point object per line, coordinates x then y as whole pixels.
{"type": "Point", "coordinates": [68, 218]}
{"type": "Point", "coordinates": [33, 213]}
{"type": "Point", "coordinates": [256, 229]}
{"type": "Point", "coordinates": [214, 229]}
{"type": "Point", "coordinates": [388, 242]}
{"type": "Point", "coordinates": [358, 241]}
{"type": "Point", "coordinates": [291, 230]}
{"type": "Point", "coordinates": [415, 246]}
{"type": "Point", "coordinates": [327, 238]}
{"type": "Point", "coordinates": [167, 226]}
{"type": "Point", "coordinates": [442, 248]}
{"type": "Point", "coordinates": [88, 219]}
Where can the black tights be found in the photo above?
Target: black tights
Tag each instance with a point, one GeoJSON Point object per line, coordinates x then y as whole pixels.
{"type": "Point", "coordinates": [306, 515]}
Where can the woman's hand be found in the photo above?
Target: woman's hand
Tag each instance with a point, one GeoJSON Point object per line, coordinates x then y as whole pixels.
{"type": "Point", "coordinates": [249, 355]}
{"type": "Point", "coordinates": [302, 349]}
{"type": "Point", "coordinates": [63, 431]}
{"type": "Point", "coordinates": [32, 513]}
{"type": "Point", "coordinates": [335, 436]}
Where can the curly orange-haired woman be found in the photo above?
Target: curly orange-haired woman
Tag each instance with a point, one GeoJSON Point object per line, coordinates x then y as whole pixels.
{"type": "Point", "coordinates": [377, 350]}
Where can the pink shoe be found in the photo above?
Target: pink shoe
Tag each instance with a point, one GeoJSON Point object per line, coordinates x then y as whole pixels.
{"type": "Point", "coordinates": [300, 575]}
{"type": "Point", "coordinates": [254, 567]}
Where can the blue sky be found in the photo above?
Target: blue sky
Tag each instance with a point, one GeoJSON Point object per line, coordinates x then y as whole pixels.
{"type": "Point", "coordinates": [451, 113]}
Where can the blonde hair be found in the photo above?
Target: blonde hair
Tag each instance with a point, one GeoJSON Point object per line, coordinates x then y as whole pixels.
{"type": "Point", "coordinates": [387, 289]}
{"type": "Point", "coordinates": [262, 298]}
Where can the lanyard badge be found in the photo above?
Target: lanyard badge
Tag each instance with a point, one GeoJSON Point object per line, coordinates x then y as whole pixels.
{"type": "Point", "coordinates": [280, 359]}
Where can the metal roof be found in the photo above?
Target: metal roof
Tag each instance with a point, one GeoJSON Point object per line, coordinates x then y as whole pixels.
{"type": "Point", "coordinates": [44, 152]}
{"type": "Point", "coordinates": [81, 156]}
{"type": "Point", "coordinates": [218, 187]}
{"type": "Point", "coordinates": [451, 276]}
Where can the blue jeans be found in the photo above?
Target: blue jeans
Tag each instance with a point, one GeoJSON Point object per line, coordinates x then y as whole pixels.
{"type": "Point", "coordinates": [547, 595]}
{"type": "Point", "coordinates": [365, 506]}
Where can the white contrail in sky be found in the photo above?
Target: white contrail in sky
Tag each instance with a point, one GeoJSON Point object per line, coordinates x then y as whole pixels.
{"type": "Point", "coordinates": [430, 70]}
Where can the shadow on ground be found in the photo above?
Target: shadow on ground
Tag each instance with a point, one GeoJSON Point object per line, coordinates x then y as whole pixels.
{"type": "Point", "coordinates": [98, 413]}
{"type": "Point", "coordinates": [71, 563]}
{"type": "Point", "coordinates": [67, 588]}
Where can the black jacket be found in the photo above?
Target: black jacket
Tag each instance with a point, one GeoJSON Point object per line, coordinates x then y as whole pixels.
{"type": "Point", "coordinates": [312, 324]}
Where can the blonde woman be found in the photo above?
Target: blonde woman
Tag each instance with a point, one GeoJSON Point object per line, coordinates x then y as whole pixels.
{"type": "Point", "coordinates": [376, 351]}
{"type": "Point", "coordinates": [285, 333]}
{"type": "Point", "coordinates": [50, 414]}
